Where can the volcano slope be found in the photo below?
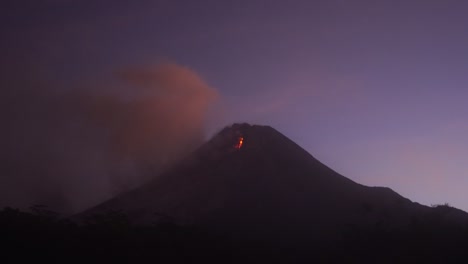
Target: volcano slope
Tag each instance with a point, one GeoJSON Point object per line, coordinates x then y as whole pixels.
{"type": "Point", "coordinates": [254, 184]}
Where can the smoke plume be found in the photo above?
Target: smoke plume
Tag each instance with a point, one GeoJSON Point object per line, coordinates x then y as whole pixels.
{"type": "Point", "coordinates": [71, 150]}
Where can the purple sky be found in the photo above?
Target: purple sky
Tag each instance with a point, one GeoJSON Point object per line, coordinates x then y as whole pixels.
{"type": "Point", "coordinates": [376, 90]}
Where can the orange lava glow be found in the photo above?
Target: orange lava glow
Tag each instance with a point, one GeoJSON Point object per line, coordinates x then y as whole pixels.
{"type": "Point", "coordinates": [239, 143]}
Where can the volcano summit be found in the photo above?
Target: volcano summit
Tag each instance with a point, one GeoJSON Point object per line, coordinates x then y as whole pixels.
{"type": "Point", "coordinates": [248, 195]}
{"type": "Point", "coordinates": [252, 182]}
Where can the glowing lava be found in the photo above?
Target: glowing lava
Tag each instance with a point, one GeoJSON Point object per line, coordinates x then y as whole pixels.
{"type": "Point", "coordinates": [239, 143]}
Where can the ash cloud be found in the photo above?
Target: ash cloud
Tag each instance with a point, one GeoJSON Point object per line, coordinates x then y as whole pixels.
{"type": "Point", "coordinates": [72, 150]}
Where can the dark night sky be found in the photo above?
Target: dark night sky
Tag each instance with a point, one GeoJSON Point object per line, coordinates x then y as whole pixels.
{"type": "Point", "coordinates": [376, 90]}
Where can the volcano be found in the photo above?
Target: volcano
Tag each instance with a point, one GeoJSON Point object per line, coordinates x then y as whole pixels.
{"type": "Point", "coordinates": [253, 182]}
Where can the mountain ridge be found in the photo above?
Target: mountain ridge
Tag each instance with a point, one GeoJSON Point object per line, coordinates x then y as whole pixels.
{"type": "Point", "coordinates": [270, 185]}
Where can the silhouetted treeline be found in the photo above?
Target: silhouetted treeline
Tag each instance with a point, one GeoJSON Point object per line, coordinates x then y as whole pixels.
{"type": "Point", "coordinates": [42, 236]}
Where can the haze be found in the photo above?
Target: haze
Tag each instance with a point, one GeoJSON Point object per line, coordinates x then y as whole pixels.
{"type": "Point", "coordinates": [374, 89]}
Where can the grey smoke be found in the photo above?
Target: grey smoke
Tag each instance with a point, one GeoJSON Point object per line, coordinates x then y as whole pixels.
{"type": "Point", "coordinates": [71, 150]}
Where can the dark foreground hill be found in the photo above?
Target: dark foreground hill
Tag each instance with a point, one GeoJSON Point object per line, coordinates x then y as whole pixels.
{"type": "Point", "coordinates": [110, 238]}
{"type": "Point", "coordinates": [252, 195]}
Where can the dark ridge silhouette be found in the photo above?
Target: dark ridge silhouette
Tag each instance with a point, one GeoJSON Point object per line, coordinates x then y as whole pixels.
{"type": "Point", "coordinates": [44, 237]}
{"type": "Point", "coordinates": [268, 191]}
{"type": "Point", "coordinates": [250, 195]}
